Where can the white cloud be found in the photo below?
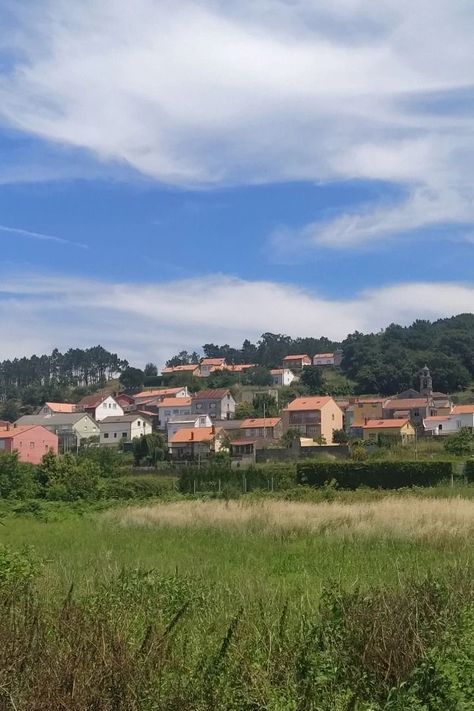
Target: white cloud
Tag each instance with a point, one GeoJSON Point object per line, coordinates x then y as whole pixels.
{"type": "Point", "coordinates": [206, 92]}
{"type": "Point", "coordinates": [154, 321]}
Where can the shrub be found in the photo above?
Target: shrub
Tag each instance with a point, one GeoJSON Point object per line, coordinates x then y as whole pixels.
{"type": "Point", "coordinates": [17, 568]}
{"type": "Point", "coordinates": [384, 475]}
{"type": "Point", "coordinates": [280, 476]}
{"type": "Point", "coordinates": [133, 488]}
{"type": "Point", "coordinates": [16, 478]}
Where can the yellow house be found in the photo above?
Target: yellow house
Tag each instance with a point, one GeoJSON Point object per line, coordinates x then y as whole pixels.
{"type": "Point", "coordinates": [364, 409]}
{"type": "Point", "coordinates": [401, 428]}
{"type": "Point", "coordinates": [314, 417]}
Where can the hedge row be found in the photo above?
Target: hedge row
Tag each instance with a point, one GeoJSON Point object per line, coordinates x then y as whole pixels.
{"type": "Point", "coordinates": [211, 478]}
{"type": "Point", "coordinates": [377, 475]}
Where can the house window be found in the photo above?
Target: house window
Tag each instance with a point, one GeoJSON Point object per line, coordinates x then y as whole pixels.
{"type": "Point", "coordinates": [115, 435]}
{"type": "Point", "coordinates": [416, 413]}
{"type": "Point", "coordinates": [440, 427]}
{"type": "Point", "coordinates": [106, 435]}
{"type": "Point", "coordinates": [333, 417]}
{"type": "Point", "coordinates": [138, 423]}
{"type": "Point", "coordinates": [124, 435]}
{"type": "Point", "coordinates": [32, 445]}
{"type": "Point", "coordinates": [114, 406]}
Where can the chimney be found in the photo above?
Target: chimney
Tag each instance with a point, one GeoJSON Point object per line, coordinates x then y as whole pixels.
{"type": "Point", "coordinates": [366, 419]}
{"type": "Point", "coordinates": [192, 436]}
{"type": "Point", "coordinates": [213, 429]}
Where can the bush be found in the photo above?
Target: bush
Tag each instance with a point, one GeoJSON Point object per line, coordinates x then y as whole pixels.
{"type": "Point", "coordinates": [281, 476]}
{"type": "Point", "coordinates": [16, 478]}
{"type": "Point", "coordinates": [133, 488]}
{"type": "Point", "coordinates": [469, 471]}
{"type": "Point", "coordinates": [17, 568]}
{"type": "Point", "coordinates": [384, 475]}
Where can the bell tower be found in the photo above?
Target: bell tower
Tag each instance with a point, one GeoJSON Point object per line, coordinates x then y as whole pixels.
{"type": "Point", "coordinates": [426, 382]}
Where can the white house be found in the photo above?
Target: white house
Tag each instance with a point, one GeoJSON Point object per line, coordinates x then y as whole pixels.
{"type": "Point", "coordinates": [57, 408]}
{"type": "Point", "coordinates": [282, 377]}
{"type": "Point", "coordinates": [178, 422]}
{"type": "Point", "coordinates": [172, 407]}
{"type": "Point", "coordinates": [100, 406]}
{"type": "Point", "coordinates": [460, 416]}
{"type": "Point", "coordinates": [123, 429]}
{"type": "Point", "coordinates": [334, 358]}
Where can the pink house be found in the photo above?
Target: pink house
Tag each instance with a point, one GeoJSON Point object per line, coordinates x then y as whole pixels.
{"type": "Point", "coordinates": [31, 442]}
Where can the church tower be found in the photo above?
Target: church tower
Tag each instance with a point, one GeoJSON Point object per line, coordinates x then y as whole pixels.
{"type": "Point", "coordinates": [426, 382]}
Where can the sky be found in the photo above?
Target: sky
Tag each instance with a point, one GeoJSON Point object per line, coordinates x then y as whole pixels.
{"type": "Point", "coordinates": [173, 174]}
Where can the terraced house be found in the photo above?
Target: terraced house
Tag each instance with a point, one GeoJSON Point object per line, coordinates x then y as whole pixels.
{"type": "Point", "coordinates": [314, 417]}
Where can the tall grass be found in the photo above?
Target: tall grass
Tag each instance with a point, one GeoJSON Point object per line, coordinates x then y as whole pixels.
{"type": "Point", "coordinates": [430, 520]}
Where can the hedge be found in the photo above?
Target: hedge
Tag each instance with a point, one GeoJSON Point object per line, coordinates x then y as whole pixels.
{"type": "Point", "coordinates": [210, 478]}
{"type": "Point", "coordinates": [377, 475]}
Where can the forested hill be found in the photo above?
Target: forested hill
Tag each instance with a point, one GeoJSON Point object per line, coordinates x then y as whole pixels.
{"type": "Point", "coordinates": [58, 376]}
{"type": "Point", "coordinates": [386, 362]}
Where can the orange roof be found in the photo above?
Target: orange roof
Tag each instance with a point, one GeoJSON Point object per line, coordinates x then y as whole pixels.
{"type": "Point", "coordinates": [176, 402]}
{"type": "Point", "coordinates": [180, 369]}
{"type": "Point", "coordinates": [93, 400]}
{"type": "Point", "coordinates": [16, 431]}
{"type": "Point", "coordinates": [186, 435]}
{"type": "Point", "coordinates": [463, 409]}
{"type": "Point", "coordinates": [324, 355]}
{"type": "Point", "coordinates": [406, 404]}
{"type": "Point", "coordinates": [436, 418]}
{"type": "Point", "coordinates": [61, 406]}
{"type": "Point", "coordinates": [308, 403]}
{"type": "Point", "coordinates": [162, 392]}
{"type": "Point", "coordinates": [295, 357]}
{"type": "Point", "coordinates": [251, 423]}
{"type": "Point", "coordinates": [212, 361]}
{"type": "Point", "coordinates": [240, 367]}
{"type": "Point", "coordinates": [385, 424]}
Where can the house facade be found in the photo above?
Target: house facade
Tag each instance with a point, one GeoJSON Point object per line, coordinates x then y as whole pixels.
{"type": "Point", "coordinates": [155, 395]}
{"type": "Point", "coordinates": [72, 429]}
{"type": "Point", "coordinates": [219, 404]}
{"type": "Point", "coordinates": [210, 365]}
{"type": "Point", "coordinates": [313, 417]}
{"type": "Point", "coordinates": [334, 358]}
{"type": "Point", "coordinates": [57, 408]}
{"type": "Point", "coordinates": [31, 442]}
{"type": "Point", "coordinates": [191, 369]}
{"type": "Point", "coordinates": [100, 406]}
{"type": "Point", "coordinates": [296, 362]}
{"type": "Point", "coordinates": [359, 410]}
{"type": "Point", "coordinates": [461, 416]}
{"type": "Point", "coordinates": [172, 407]}
{"type": "Point", "coordinates": [126, 428]}
{"type": "Point", "coordinates": [262, 428]}
{"type": "Point", "coordinates": [195, 443]}
{"type": "Point", "coordinates": [178, 422]}
{"type": "Point", "coordinates": [401, 429]}
{"type": "Point", "coordinates": [282, 377]}
{"type": "Point", "coordinates": [415, 409]}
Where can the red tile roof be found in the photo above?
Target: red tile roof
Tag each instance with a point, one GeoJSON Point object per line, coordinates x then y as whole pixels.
{"type": "Point", "coordinates": [307, 403]}
{"type": "Point", "coordinates": [406, 404]}
{"type": "Point", "coordinates": [17, 431]}
{"type": "Point", "coordinates": [212, 361]}
{"type": "Point", "coordinates": [463, 409]}
{"type": "Point", "coordinates": [61, 406]}
{"type": "Point", "coordinates": [259, 422]}
{"type": "Point", "coordinates": [324, 355]}
{"type": "Point", "coordinates": [385, 424]}
{"type": "Point", "coordinates": [176, 402]}
{"type": "Point", "coordinates": [296, 357]}
{"type": "Point", "coordinates": [160, 392]}
{"type": "Point", "coordinates": [93, 400]}
{"type": "Point", "coordinates": [187, 435]}
{"type": "Point", "coordinates": [180, 369]}
{"type": "Point", "coordinates": [217, 394]}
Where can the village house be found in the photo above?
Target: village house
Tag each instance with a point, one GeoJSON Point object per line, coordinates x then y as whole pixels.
{"type": "Point", "coordinates": [31, 442]}
{"type": "Point", "coordinates": [296, 362]}
{"type": "Point", "coordinates": [401, 429]}
{"type": "Point", "coordinates": [218, 404]}
{"type": "Point", "coordinates": [334, 358]}
{"type": "Point", "coordinates": [56, 408]}
{"type": "Point", "coordinates": [72, 429]}
{"type": "Point", "coordinates": [153, 396]}
{"type": "Point", "coordinates": [315, 417]}
{"type": "Point", "coordinates": [177, 422]}
{"type": "Point", "coordinates": [126, 428]}
{"type": "Point", "coordinates": [171, 407]}
{"type": "Point", "coordinates": [243, 450]}
{"type": "Point", "coordinates": [240, 367]}
{"type": "Point", "coordinates": [125, 401]}
{"type": "Point", "coordinates": [262, 428]}
{"type": "Point", "coordinates": [100, 406]}
{"type": "Point", "coordinates": [359, 410]}
{"type": "Point", "coordinates": [415, 409]}
{"type": "Point", "coordinates": [461, 416]}
{"type": "Point", "coordinates": [282, 377]}
{"type": "Point", "coordinates": [195, 443]}
{"type": "Point", "coordinates": [211, 365]}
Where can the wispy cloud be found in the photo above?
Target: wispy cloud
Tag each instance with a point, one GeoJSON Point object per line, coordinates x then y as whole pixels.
{"type": "Point", "coordinates": [41, 236]}
{"type": "Point", "coordinates": [153, 321]}
{"type": "Point", "coordinates": [204, 93]}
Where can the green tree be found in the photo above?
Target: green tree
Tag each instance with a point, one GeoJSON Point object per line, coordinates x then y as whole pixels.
{"type": "Point", "coordinates": [150, 370]}
{"type": "Point", "coordinates": [16, 478]}
{"type": "Point", "coordinates": [340, 437]}
{"type": "Point", "coordinates": [132, 378]}
{"type": "Point", "coordinates": [150, 448]}
{"type": "Point", "coordinates": [312, 378]}
{"type": "Point", "coordinates": [461, 443]}
{"type": "Point", "coordinates": [291, 435]}
{"type": "Point", "coordinates": [10, 411]}
{"type": "Point", "coordinates": [264, 405]}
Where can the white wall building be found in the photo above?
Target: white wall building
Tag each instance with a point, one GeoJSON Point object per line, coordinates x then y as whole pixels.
{"type": "Point", "coordinates": [172, 407]}
{"type": "Point", "coordinates": [179, 422]}
{"type": "Point", "coordinates": [282, 377]}
{"type": "Point", "coordinates": [123, 429]}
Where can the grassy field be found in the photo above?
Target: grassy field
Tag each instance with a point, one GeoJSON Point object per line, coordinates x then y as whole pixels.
{"type": "Point", "coordinates": [256, 604]}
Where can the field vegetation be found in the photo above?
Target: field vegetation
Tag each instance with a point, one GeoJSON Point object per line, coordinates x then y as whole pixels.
{"type": "Point", "coordinates": [360, 601]}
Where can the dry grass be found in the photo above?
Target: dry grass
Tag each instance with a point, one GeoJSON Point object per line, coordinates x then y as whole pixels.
{"type": "Point", "coordinates": [394, 517]}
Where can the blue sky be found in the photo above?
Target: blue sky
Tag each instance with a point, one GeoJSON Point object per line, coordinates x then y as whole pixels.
{"type": "Point", "coordinates": [173, 174]}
